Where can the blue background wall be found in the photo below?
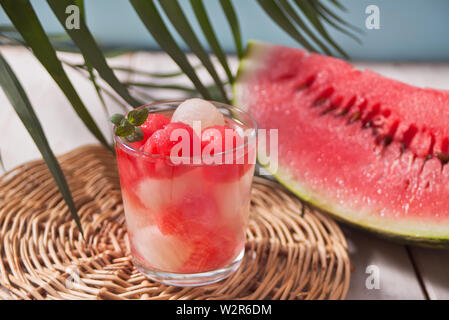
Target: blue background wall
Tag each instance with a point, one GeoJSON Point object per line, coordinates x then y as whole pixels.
{"type": "Point", "coordinates": [410, 29]}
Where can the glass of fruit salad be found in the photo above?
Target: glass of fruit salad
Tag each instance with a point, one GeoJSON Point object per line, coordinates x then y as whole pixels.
{"type": "Point", "coordinates": [186, 169]}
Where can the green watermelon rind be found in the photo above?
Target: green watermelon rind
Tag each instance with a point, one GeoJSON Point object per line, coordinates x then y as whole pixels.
{"type": "Point", "coordinates": [403, 233]}
{"type": "Point", "coordinates": [404, 236]}
{"type": "Point", "coordinates": [254, 50]}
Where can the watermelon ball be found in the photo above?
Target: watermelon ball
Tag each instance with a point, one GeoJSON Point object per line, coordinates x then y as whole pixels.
{"type": "Point", "coordinates": [161, 252]}
{"type": "Point", "coordinates": [196, 221]}
{"type": "Point", "coordinates": [215, 140]}
{"type": "Point", "coordinates": [198, 110]}
{"type": "Point", "coordinates": [154, 122]}
{"type": "Point", "coordinates": [160, 143]}
{"type": "Point", "coordinates": [212, 251]}
{"type": "Point", "coordinates": [219, 139]}
{"type": "Point", "coordinates": [193, 215]}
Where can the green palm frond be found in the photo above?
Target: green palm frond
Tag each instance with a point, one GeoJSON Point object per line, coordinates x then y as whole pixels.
{"type": "Point", "coordinates": [334, 20]}
{"type": "Point", "coordinates": [90, 69]}
{"type": "Point", "coordinates": [84, 40]}
{"type": "Point", "coordinates": [19, 100]}
{"type": "Point", "coordinates": [313, 18]}
{"type": "Point", "coordinates": [152, 20]}
{"type": "Point", "coordinates": [296, 18]}
{"type": "Point", "coordinates": [234, 24]}
{"type": "Point", "coordinates": [178, 19]}
{"type": "Point", "coordinates": [24, 19]}
{"type": "Point", "coordinates": [160, 75]}
{"type": "Point", "coordinates": [2, 165]}
{"type": "Point", "coordinates": [206, 26]}
{"type": "Point", "coordinates": [276, 13]}
{"type": "Point", "coordinates": [303, 20]}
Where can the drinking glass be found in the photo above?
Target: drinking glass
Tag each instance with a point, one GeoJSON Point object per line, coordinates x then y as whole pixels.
{"type": "Point", "coordinates": [186, 220]}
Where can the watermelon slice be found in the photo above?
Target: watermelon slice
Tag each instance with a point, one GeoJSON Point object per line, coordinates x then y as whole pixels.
{"type": "Point", "coordinates": [370, 150]}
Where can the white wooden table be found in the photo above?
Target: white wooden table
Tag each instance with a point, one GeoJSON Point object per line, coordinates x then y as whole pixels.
{"type": "Point", "coordinates": [404, 272]}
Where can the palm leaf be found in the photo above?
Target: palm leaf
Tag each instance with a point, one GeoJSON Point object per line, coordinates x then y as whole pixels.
{"type": "Point", "coordinates": [21, 104]}
{"type": "Point", "coordinates": [2, 165]}
{"type": "Point", "coordinates": [334, 20]}
{"type": "Point", "coordinates": [90, 50]}
{"type": "Point", "coordinates": [161, 86]}
{"type": "Point", "coordinates": [24, 19]}
{"type": "Point", "coordinates": [178, 19]}
{"type": "Point", "coordinates": [153, 74]}
{"type": "Point", "coordinates": [7, 28]}
{"type": "Point", "coordinates": [338, 5]}
{"type": "Point", "coordinates": [97, 88]}
{"type": "Point", "coordinates": [146, 96]}
{"type": "Point", "coordinates": [206, 26]}
{"type": "Point", "coordinates": [80, 4]}
{"type": "Point", "coordinates": [152, 20]}
{"type": "Point", "coordinates": [277, 15]}
{"type": "Point", "coordinates": [83, 67]}
{"type": "Point", "coordinates": [233, 22]}
{"type": "Point", "coordinates": [290, 11]}
{"type": "Point", "coordinates": [312, 15]}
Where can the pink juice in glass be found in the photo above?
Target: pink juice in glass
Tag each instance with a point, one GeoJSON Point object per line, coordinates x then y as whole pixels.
{"type": "Point", "coordinates": [186, 221]}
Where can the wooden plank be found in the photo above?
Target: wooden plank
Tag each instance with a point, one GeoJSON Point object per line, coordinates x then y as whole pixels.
{"type": "Point", "coordinates": [433, 266]}
{"type": "Point", "coordinates": [397, 279]}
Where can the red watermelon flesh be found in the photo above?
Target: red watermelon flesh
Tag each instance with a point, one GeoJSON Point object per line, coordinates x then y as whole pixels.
{"type": "Point", "coordinates": [371, 150]}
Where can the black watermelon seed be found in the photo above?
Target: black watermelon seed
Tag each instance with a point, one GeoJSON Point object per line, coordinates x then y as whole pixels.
{"type": "Point", "coordinates": [367, 125]}
{"type": "Point", "coordinates": [319, 102]}
{"type": "Point", "coordinates": [342, 113]}
{"type": "Point", "coordinates": [403, 147]}
{"type": "Point", "coordinates": [387, 140]}
{"type": "Point", "coordinates": [443, 157]}
{"type": "Point", "coordinates": [330, 109]}
{"type": "Point", "coordinates": [354, 117]}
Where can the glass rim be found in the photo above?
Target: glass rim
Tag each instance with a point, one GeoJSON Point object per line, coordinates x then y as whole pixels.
{"type": "Point", "coordinates": [129, 149]}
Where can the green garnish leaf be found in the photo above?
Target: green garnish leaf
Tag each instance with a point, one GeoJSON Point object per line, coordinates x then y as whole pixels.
{"type": "Point", "coordinates": [124, 129]}
{"type": "Point", "coordinates": [137, 135]}
{"type": "Point", "coordinates": [116, 119]}
{"type": "Point", "coordinates": [138, 117]}
{"type": "Point", "coordinates": [128, 127]}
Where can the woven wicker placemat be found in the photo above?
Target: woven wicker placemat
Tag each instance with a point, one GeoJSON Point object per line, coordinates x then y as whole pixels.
{"type": "Point", "coordinates": [292, 251]}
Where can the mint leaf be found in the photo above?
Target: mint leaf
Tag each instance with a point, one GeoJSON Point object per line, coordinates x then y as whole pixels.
{"type": "Point", "coordinates": [128, 127]}
{"type": "Point", "coordinates": [138, 117]}
{"type": "Point", "coordinates": [124, 129]}
{"type": "Point", "coordinates": [116, 119]}
{"type": "Point", "coordinates": [137, 135]}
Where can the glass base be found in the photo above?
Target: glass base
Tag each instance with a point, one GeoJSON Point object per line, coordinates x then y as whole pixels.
{"type": "Point", "coordinates": [194, 279]}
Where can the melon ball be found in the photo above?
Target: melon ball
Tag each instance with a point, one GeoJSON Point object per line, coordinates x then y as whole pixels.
{"type": "Point", "coordinates": [162, 252]}
{"type": "Point", "coordinates": [198, 110]}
